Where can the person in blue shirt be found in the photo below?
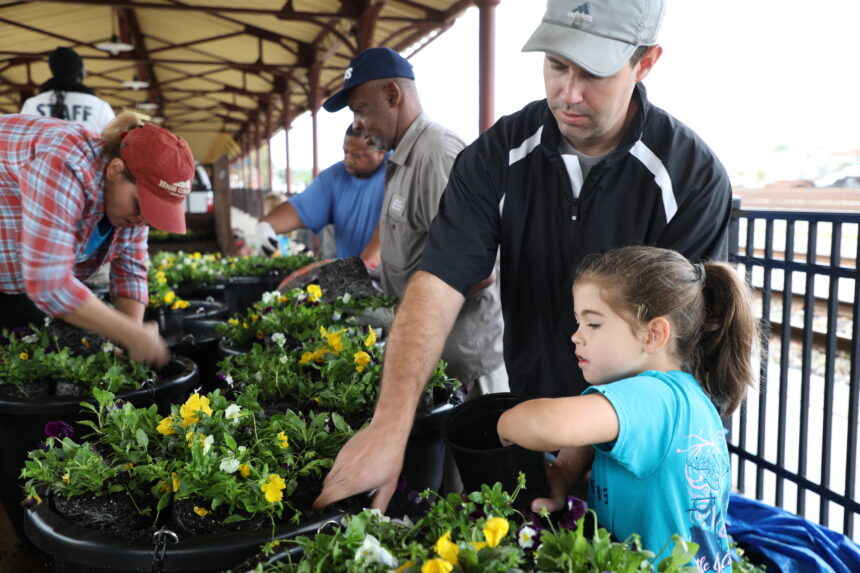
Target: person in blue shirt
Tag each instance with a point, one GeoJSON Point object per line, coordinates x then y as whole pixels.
{"type": "Point", "coordinates": [348, 194]}
{"type": "Point", "coordinates": [667, 348]}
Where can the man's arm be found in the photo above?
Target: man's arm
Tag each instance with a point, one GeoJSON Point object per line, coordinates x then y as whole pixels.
{"type": "Point", "coordinates": [373, 457]}
{"type": "Point", "coordinates": [141, 340]}
{"type": "Point", "coordinates": [371, 253]}
{"type": "Point", "coordinates": [284, 218]}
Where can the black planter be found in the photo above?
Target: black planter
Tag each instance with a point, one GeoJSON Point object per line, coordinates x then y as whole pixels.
{"type": "Point", "coordinates": [203, 291]}
{"type": "Point", "coordinates": [170, 322]}
{"type": "Point", "coordinates": [242, 292]}
{"type": "Point", "coordinates": [200, 343]}
{"type": "Point", "coordinates": [78, 550]}
{"type": "Point", "coordinates": [22, 423]}
{"type": "Point", "coordinates": [425, 451]}
{"type": "Point", "coordinates": [470, 432]}
{"type": "Point", "coordinates": [229, 348]}
{"type": "Point", "coordinates": [205, 310]}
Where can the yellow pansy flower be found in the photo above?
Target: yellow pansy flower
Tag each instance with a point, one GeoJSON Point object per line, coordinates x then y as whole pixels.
{"type": "Point", "coordinates": [282, 299]}
{"type": "Point", "coordinates": [283, 442]}
{"type": "Point", "coordinates": [371, 337]}
{"type": "Point", "coordinates": [201, 511]}
{"type": "Point", "coordinates": [169, 297]}
{"type": "Point", "coordinates": [314, 293]}
{"type": "Point", "coordinates": [334, 341]}
{"type": "Point", "coordinates": [66, 477]}
{"type": "Point", "coordinates": [437, 566]}
{"type": "Point", "coordinates": [180, 304]}
{"type": "Point", "coordinates": [190, 410]}
{"type": "Point", "coordinates": [446, 549]}
{"type": "Point", "coordinates": [128, 466]}
{"type": "Point", "coordinates": [404, 567]}
{"type": "Point", "coordinates": [306, 357]}
{"type": "Point", "coordinates": [174, 479]}
{"type": "Point", "coordinates": [24, 356]}
{"type": "Point", "coordinates": [274, 488]}
{"type": "Point", "coordinates": [165, 426]}
{"type": "Point", "coordinates": [495, 529]}
{"type": "Point", "coordinates": [244, 470]}
{"type": "Point", "coordinates": [85, 343]}
{"type": "Point", "coordinates": [255, 317]}
{"type": "Point", "coordinates": [362, 359]}
{"type": "Point", "coordinates": [197, 255]}
{"type": "Point", "coordinates": [478, 545]}
{"type": "Point", "coordinates": [232, 322]}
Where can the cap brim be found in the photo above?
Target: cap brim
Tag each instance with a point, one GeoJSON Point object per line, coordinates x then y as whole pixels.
{"type": "Point", "coordinates": [338, 101]}
{"type": "Point", "coordinates": [597, 55]}
{"type": "Point", "coordinates": [162, 215]}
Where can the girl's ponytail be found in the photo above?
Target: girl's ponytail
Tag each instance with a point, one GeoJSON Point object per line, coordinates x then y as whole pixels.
{"type": "Point", "coordinates": [729, 334]}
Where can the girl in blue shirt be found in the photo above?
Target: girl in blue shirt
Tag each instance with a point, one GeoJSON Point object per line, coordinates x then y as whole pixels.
{"type": "Point", "coordinates": [667, 346]}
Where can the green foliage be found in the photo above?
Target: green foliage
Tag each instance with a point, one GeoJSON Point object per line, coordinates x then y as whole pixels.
{"type": "Point", "coordinates": [181, 268]}
{"type": "Point", "coordinates": [34, 354]}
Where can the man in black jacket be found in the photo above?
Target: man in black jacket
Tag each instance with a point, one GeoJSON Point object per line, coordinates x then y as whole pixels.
{"type": "Point", "coordinates": [592, 167]}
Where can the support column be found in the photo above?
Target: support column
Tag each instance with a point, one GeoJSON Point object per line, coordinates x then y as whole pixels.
{"type": "Point", "coordinates": [287, 120]}
{"type": "Point", "coordinates": [487, 63]}
{"type": "Point", "coordinates": [269, 168]}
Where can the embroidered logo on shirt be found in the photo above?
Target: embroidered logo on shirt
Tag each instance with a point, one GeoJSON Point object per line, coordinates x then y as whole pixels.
{"type": "Point", "coordinates": [347, 74]}
{"type": "Point", "coordinates": [396, 204]}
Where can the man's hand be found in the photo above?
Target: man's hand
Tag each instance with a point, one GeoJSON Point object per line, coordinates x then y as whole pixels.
{"type": "Point", "coordinates": [150, 348]}
{"type": "Point", "coordinates": [265, 239]}
{"type": "Point", "coordinates": [371, 459]}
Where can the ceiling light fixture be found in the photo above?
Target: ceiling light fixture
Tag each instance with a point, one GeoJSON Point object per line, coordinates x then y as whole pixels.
{"type": "Point", "coordinates": [114, 46]}
{"type": "Point", "coordinates": [146, 105]}
{"type": "Point", "coordinates": [135, 84]}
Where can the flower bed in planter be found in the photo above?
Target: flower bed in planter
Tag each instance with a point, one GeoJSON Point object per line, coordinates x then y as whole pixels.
{"type": "Point", "coordinates": [243, 280]}
{"type": "Point", "coordinates": [339, 369]}
{"type": "Point", "coordinates": [212, 467]}
{"type": "Point", "coordinates": [478, 532]}
{"type": "Point", "coordinates": [45, 374]}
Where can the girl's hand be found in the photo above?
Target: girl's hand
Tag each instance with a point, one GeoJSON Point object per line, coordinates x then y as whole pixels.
{"type": "Point", "coordinates": [557, 499]}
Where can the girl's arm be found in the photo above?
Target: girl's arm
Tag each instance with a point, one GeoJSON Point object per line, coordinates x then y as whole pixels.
{"type": "Point", "coordinates": [549, 424]}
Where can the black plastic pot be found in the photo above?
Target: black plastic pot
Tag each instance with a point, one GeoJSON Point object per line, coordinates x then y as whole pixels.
{"type": "Point", "coordinates": [170, 322]}
{"type": "Point", "coordinates": [203, 291]}
{"type": "Point", "coordinates": [22, 423]}
{"type": "Point", "coordinates": [200, 344]}
{"type": "Point", "coordinates": [79, 550]}
{"type": "Point", "coordinates": [205, 310]}
{"type": "Point", "coordinates": [425, 451]}
{"type": "Point", "coordinates": [242, 292]}
{"type": "Point", "coordinates": [470, 432]}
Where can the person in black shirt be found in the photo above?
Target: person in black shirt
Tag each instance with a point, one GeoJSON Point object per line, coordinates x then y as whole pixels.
{"type": "Point", "coordinates": [592, 167]}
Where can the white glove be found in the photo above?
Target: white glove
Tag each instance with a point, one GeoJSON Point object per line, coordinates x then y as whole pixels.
{"type": "Point", "coordinates": [265, 239]}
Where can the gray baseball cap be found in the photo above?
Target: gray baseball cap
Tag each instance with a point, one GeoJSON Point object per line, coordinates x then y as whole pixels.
{"type": "Point", "coordinates": [599, 35]}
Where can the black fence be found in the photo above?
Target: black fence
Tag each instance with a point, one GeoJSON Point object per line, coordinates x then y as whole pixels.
{"type": "Point", "coordinates": [794, 442]}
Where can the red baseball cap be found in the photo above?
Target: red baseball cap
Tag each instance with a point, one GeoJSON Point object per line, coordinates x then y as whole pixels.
{"type": "Point", "coordinates": [163, 165]}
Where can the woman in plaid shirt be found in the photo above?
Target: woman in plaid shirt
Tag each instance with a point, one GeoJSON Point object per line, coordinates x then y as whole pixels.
{"type": "Point", "coordinates": [70, 202]}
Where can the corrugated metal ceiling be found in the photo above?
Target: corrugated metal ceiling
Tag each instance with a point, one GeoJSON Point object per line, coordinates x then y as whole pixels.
{"type": "Point", "coordinates": [214, 67]}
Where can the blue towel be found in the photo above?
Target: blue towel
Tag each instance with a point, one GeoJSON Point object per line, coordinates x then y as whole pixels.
{"type": "Point", "coordinates": [792, 543]}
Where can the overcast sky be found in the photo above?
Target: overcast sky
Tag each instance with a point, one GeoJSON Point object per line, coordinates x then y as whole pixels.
{"type": "Point", "coordinates": [762, 81]}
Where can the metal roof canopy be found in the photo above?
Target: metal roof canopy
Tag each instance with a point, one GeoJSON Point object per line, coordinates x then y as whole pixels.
{"type": "Point", "coordinates": [221, 73]}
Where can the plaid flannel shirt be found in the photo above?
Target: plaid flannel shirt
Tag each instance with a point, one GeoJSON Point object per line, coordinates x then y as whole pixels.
{"type": "Point", "coordinates": [51, 199]}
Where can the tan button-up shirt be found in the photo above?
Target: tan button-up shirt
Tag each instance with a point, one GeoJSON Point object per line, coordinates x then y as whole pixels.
{"type": "Point", "coordinates": [416, 175]}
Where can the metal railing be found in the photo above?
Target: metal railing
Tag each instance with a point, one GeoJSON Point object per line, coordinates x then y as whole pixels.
{"type": "Point", "coordinates": [794, 442]}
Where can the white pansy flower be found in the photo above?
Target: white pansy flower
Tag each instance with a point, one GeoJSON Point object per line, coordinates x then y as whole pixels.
{"type": "Point", "coordinates": [279, 338]}
{"type": "Point", "coordinates": [283, 359]}
{"type": "Point", "coordinates": [526, 537]}
{"type": "Point", "coordinates": [31, 338]}
{"type": "Point", "coordinates": [379, 515]}
{"type": "Point", "coordinates": [346, 298]}
{"type": "Point", "coordinates": [229, 380]}
{"type": "Point", "coordinates": [232, 412]}
{"type": "Point", "coordinates": [180, 266]}
{"type": "Point", "coordinates": [372, 551]}
{"type": "Point", "coordinates": [229, 465]}
{"type": "Point", "coordinates": [207, 443]}
{"type": "Point", "coordinates": [336, 316]}
{"type": "Point", "coordinates": [258, 377]}
{"type": "Point", "coordinates": [108, 347]}
{"type": "Point", "coordinates": [47, 321]}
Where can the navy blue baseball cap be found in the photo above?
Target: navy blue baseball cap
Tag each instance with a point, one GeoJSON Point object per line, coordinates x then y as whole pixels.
{"type": "Point", "coordinates": [371, 64]}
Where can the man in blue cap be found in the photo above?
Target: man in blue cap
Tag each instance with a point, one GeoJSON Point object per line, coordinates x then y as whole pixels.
{"type": "Point", "coordinates": [379, 87]}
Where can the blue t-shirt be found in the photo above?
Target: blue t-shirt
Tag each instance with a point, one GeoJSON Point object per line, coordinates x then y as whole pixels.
{"type": "Point", "coordinates": [668, 471]}
{"type": "Point", "coordinates": [351, 203]}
